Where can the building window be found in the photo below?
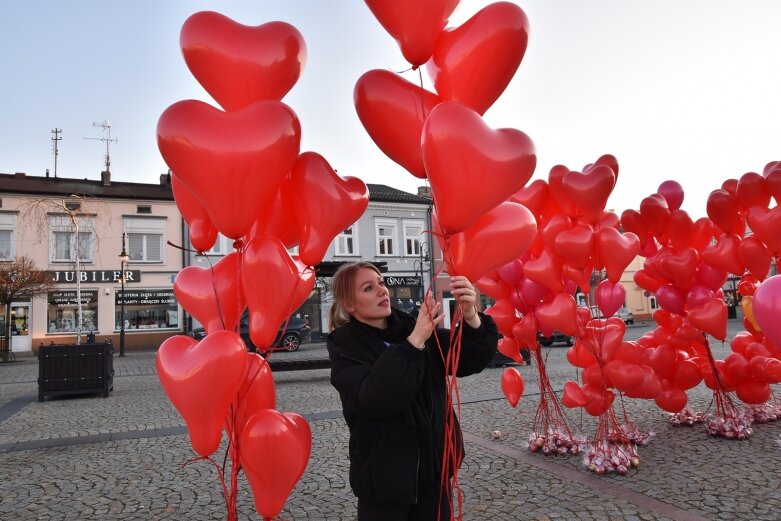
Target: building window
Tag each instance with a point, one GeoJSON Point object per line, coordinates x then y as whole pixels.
{"type": "Point", "coordinates": [67, 244]}
{"type": "Point", "coordinates": [346, 242]}
{"type": "Point", "coordinates": [413, 235]}
{"type": "Point", "coordinates": [63, 311]}
{"type": "Point", "coordinates": [386, 237]}
{"type": "Point", "coordinates": [652, 302]}
{"type": "Point", "coordinates": [145, 239]}
{"type": "Point", "coordinates": [146, 309]}
{"type": "Point", "coordinates": [142, 208]}
{"type": "Point", "coordinates": [7, 243]}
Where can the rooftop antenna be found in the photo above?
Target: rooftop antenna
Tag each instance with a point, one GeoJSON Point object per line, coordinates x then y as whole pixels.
{"type": "Point", "coordinates": [106, 139]}
{"type": "Point", "coordinates": [55, 148]}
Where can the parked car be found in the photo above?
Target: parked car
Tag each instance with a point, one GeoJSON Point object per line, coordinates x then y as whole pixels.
{"type": "Point", "coordinates": [624, 314]}
{"type": "Point", "coordinates": [556, 338]}
{"type": "Point", "coordinates": [290, 338]}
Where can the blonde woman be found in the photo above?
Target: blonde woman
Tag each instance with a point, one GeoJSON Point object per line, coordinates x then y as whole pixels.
{"type": "Point", "coordinates": [391, 380]}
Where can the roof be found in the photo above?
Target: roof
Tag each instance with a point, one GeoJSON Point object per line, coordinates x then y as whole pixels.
{"type": "Point", "coordinates": [391, 195]}
{"type": "Point", "coordinates": [21, 183]}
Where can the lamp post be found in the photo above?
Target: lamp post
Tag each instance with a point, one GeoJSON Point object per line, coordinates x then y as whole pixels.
{"type": "Point", "coordinates": [419, 263]}
{"type": "Point", "coordinates": [123, 258]}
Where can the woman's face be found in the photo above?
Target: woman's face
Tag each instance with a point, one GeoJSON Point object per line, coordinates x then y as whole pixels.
{"type": "Point", "coordinates": [371, 303]}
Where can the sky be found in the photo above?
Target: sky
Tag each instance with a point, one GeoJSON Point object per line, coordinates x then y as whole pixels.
{"type": "Point", "coordinates": [688, 90]}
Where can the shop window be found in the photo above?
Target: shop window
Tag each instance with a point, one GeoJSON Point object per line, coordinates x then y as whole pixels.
{"type": "Point", "coordinates": [346, 242]}
{"type": "Point", "coordinates": [63, 311]}
{"type": "Point", "coordinates": [146, 309]}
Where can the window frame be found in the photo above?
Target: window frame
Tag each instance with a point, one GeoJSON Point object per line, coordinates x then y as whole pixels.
{"type": "Point", "coordinates": [390, 223]}
{"type": "Point", "coordinates": [409, 223]}
{"type": "Point", "coordinates": [8, 224]}
{"type": "Point", "coordinates": [338, 251]}
{"type": "Point", "coordinates": [146, 227]}
{"type": "Point", "coordinates": [63, 224]}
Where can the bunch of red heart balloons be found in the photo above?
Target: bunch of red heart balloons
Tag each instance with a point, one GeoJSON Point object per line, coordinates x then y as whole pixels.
{"type": "Point", "coordinates": [472, 169]}
{"type": "Point", "coordinates": [238, 171]}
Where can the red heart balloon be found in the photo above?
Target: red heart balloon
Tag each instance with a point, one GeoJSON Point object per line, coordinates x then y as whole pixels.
{"type": "Point", "coordinates": [722, 209]}
{"type": "Point", "coordinates": [201, 380]}
{"type": "Point", "coordinates": [256, 393]}
{"type": "Point", "coordinates": [559, 202]}
{"type": "Point", "coordinates": [671, 399]}
{"type": "Point", "coordinates": [414, 25]}
{"type": "Point", "coordinates": [599, 400]}
{"type": "Point", "coordinates": [576, 245]}
{"type": "Point", "coordinates": [505, 316]}
{"type": "Point", "coordinates": [680, 230]}
{"type": "Point", "coordinates": [231, 162]}
{"type": "Point", "coordinates": [766, 224]}
{"type": "Point", "coordinates": [560, 314]}
{"type": "Point", "coordinates": [582, 278]}
{"type": "Point", "coordinates": [702, 233]}
{"type": "Point", "coordinates": [610, 297]}
{"type": "Point", "coordinates": [499, 236]}
{"type": "Point", "coordinates": [624, 375]}
{"type": "Point", "coordinates": [533, 196]}
{"type": "Point", "coordinates": [212, 295]}
{"type": "Point", "coordinates": [724, 254]}
{"type": "Point", "coordinates": [512, 385]}
{"type": "Point", "coordinates": [711, 318]}
{"type": "Point", "coordinates": [773, 180]}
{"type": "Point", "coordinates": [573, 396]}
{"type": "Point", "coordinates": [656, 215]}
{"type": "Point", "coordinates": [238, 64]}
{"type": "Point", "coordinates": [755, 256]}
{"type": "Point", "coordinates": [274, 285]}
{"type": "Point", "coordinates": [615, 250]}
{"type": "Point", "coordinates": [525, 331]}
{"type": "Point", "coordinates": [203, 233]}
{"type": "Point", "coordinates": [496, 289]}
{"type": "Point", "coordinates": [679, 267]}
{"type": "Point", "coordinates": [663, 360]}
{"type": "Point", "coordinates": [633, 221]}
{"type": "Point", "coordinates": [591, 190]}
{"type": "Point", "coordinates": [752, 191]}
{"type": "Point", "coordinates": [328, 204]}
{"type": "Point", "coordinates": [551, 228]}
{"type": "Point", "coordinates": [274, 452]}
{"type": "Point", "coordinates": [580, 355]}
{"type": "Point", "coordinates": [672, 192]}
{"type": "Point", "coordinates": [471, 167]}
{"type": "Point", "coordinates": [509, 348]}
{"type": "Point", "coordinates": [730, 186]}
{"type": "Point", "coordinates": [671, 298]}
{"type": "Point", "coordinates": [546, 270]}
{"type": "Point", "coordinates": [648, 281]}
{"type": "Point", "coordinates": [473, 64]}
{"type": "Point", "coordinates": [392, 111]}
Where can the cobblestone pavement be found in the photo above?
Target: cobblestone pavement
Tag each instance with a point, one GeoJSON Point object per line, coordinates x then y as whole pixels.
{"type": "Point", "coordinates": [123, 457]}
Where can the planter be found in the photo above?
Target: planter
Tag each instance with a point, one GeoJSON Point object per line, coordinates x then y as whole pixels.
{"type": "Point", "coordinates": [75, 369]}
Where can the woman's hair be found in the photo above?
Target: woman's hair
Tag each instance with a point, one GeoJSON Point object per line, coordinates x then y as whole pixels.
{"type": "Point", "coordinates": [342, 287]}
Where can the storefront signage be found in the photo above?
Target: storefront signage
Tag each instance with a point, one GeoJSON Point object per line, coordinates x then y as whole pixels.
{"type": "Point", "coordinates": [149, 297]}
{"type": "Point", "coordinates": [67, 299]}
{"type": "Point", "coordinates": [113, 276]}
{"type": "Point", "coordinates": [394, 282]}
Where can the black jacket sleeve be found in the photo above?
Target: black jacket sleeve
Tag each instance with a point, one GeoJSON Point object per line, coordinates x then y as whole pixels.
{"type": "Point", "coordinates": [478, 346]}
{"type": "Point", "coordinates": [382, 389]}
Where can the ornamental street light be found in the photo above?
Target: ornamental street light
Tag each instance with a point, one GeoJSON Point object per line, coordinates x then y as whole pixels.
{"type": "Point", "coordinates": [419, 266]}
{"type": "Point", "coordinates": [123, 258]}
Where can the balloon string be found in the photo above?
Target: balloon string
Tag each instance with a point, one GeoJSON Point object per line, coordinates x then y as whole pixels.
{"type": "Point", "coordinates": [227, 495]}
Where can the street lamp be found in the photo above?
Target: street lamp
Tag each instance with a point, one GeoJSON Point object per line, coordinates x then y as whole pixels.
{"type": "Point", "coordinates": [418, 266]}
{"type": "Point", "coordinates": [123, 258]}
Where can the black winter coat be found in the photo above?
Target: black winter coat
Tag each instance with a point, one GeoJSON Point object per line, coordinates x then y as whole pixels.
{"type": "Point", "coordinates": [393, 397]}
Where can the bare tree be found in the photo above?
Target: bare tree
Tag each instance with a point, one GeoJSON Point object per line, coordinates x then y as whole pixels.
{"type": "Point", "coordinates": [19, 280]}
{"type": "Point", "coordinates": [72, 209]}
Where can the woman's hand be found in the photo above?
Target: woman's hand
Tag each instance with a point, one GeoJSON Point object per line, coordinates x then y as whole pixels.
{"type": "Point", "coordinates": [429, 317]}
{"type": "Point", "coordinates": [466, 296]}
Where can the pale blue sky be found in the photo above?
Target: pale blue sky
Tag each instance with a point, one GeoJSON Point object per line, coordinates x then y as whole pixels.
{"type": "Point", "coordinates": [675, 89]}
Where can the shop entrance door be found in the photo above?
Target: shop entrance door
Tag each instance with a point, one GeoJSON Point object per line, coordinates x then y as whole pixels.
{"type": "Point", "coordinates": [20, 322]}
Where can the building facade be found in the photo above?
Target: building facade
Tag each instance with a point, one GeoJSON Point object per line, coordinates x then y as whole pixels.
{"type": "Point", "coordinates": [74, 230]}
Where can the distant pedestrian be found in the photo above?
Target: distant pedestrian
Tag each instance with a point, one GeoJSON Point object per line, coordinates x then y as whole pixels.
{"type": "Point", "coordinates": [391, 381]}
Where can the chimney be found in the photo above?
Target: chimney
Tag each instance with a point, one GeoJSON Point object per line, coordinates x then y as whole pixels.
{"type": "Point", "coordinates": [425, 191]}
{"type": "Point", "coordinates": [105, 178]}
{"type": "Point", "coordinates": [165, 179]}
{"type": "Point", "coordinates": [47, 173]}
{"type": "Point", "coordinates": [20, 175]}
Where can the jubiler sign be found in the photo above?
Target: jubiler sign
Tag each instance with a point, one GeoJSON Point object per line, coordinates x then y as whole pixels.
{"type": "Point", "coordinates": [114, 276]}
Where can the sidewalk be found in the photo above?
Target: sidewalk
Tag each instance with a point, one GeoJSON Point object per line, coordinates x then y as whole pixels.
{"type": "Point", "coordinates": [122, 457]}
